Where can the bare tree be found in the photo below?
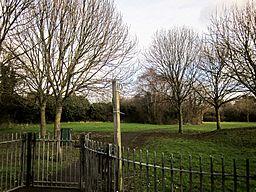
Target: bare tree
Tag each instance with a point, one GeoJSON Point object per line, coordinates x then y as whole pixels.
{"type": "Point", "coordinates": [235, 32]}
{"type": "Point", "coordinates": [174, 55]}
{"type": "Point", "coordinates": [70, 47]}
{"type": "Point", "coordinates": [27, 47]}
{"type": "Point", "coordinates": [214, 85]}
{"type": "Point", "coordinates": [82, 43]}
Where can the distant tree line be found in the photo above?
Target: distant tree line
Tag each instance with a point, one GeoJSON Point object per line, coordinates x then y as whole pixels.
{"type": "Point", "coordinates": [142, 109]}
{"type": "Point", "coordinates": [77, 108]}
{"type": "Point", "coordinates": [148, 108]}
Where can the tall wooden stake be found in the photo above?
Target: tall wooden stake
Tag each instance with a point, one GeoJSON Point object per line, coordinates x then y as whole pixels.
{"type": "Point", "coordinates": [117, 130]}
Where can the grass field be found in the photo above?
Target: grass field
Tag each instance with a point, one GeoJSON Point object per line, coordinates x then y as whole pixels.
{"type": "Point", "coordinates": [236, 141]}
{"type": "Point", "coordinates": [78, 127]}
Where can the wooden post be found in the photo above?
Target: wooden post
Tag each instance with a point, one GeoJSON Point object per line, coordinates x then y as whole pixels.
{"type": "Point", "coordinates": [117, 130]}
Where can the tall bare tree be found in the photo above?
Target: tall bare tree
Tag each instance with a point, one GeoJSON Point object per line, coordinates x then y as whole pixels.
{"type": "Point", "coordinates": [214, 85]}
{"type": "Point", "coordinates": [81, 43]}
{"type": "Point", "coordinates": [235, 31]}
{"type": "Point", "coordinates": [69, 47]}
{"type": "Point", "coordinates": [26, 45]}
{"type": "Point", "coordinates": [174, 56]}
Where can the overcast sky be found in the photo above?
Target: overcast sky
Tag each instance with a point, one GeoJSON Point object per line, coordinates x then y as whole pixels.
{"type": "Point", "coordinates": [146, 16]}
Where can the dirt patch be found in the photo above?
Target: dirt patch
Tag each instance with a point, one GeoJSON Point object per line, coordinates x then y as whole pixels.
{"type": "Point", "coordinates": [138, 139]}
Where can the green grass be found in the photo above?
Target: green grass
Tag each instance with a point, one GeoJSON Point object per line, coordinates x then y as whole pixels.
{"type": "Point", "coordinates": [206, 149]}
{"type": "Point", "coordinates": [180, 150]}
{"type": "Point", "coordinates": [222, 146]}
{"type": "Point", "coordinates": [197, 141]}
{"type": "Point", "coordinates": [125, 127]}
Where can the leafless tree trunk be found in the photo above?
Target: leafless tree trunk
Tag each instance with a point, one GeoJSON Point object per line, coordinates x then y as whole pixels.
{"type": "Point", "coordinates": [43, 118]}
{"type": "Point", "coordinates": [234, 31]}
{"type": "Point", "coordinates": [214, 85]}
{"type": "Point", "coordinates": [58, 113]}
{"type": "Point", "coordinates": [57, 128]}
{"type": "Point", "coordinates": [217, 116]}
{"type": "Point", "coordinates": [180, 115]}
{"type": "Point", "coordinates": [174, 55]}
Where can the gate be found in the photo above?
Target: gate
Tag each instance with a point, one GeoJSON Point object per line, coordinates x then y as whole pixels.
{"type": "Point", "coordinates": [32, 161]}
{"type": "Point", "coordinates": [51, 165]}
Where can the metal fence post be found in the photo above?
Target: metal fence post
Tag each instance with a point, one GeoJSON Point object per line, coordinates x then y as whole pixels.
{"type": "Point", "coordinates": [33, 144]}
{"type": "Point", "coordinates": [82, 161]}
{"type": "Point", "coordinates": [23, 155]}
{"type": "Point", "coordinates": [110, 151]}
{"type": "Point", "coordinates": [29, 158]}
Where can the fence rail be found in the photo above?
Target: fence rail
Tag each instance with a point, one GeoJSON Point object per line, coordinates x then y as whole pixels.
{"type": "Point", "coordinates": [30, 160]}
{"type": "Point", "coordinates": [144, 171]}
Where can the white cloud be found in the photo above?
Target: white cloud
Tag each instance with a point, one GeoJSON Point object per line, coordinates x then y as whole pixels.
{"type": "Point", "coordinates": [146, 16]}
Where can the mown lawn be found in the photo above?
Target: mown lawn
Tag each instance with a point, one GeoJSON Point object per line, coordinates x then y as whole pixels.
{"type": "Point", "coordinates": [198, 140]}
{"type": "Point", "coordinates": [78, 127]}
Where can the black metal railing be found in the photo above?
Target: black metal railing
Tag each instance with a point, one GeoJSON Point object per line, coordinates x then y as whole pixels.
{"type": "Point", "coordinates": [144, 171]}
{"type": "Point", "coordinates": [30, 160]}
{"type": "Point", "coordinates": [12, 157]}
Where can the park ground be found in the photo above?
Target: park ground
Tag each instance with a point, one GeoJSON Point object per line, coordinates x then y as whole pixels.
{"type": "Point", "coordinates": [234, 140]}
